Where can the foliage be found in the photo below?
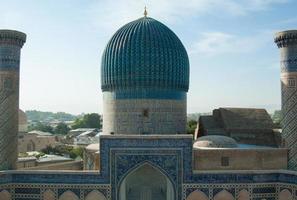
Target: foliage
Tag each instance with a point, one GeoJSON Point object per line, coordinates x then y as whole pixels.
{"type": "Point", "coordinates": [39, 155]}
{"type": "Point", "coordinates": [76, 152]}
{"type": "Point", "coordinates": [61, 129]}
{"type": "Point", "coordinates": [277, 117]}
{"type": "Point", "coordinates": [23, 154]}
{"type": "Point", "coordinates": [35, 115]}
{"type": "Point", "coordinates": [64, 150]}
{"type": "Point", "coordinates": [92, 120]}
{"type": "Point", "coordinates": [191, 126]}
{"type": "Point", "coordinates": [41, 127]}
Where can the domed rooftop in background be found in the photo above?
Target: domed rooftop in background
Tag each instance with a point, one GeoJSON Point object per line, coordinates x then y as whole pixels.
{"type": "Point", "coordinates": [215, 141]}
{"type": "Point", "coordinates": [145, 54]}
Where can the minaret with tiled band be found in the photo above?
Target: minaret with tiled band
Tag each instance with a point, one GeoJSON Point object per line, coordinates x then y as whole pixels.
{"type": "Point", "coordinates": [11, 43]}
{"type": "Point", "coordinates": [287, 43]}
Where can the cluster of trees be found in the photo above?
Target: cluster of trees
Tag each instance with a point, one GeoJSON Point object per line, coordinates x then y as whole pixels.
{"type": "Point", "coordinates": [40, 116]}
{"type": "Point", "coordinates": [61, 128]}
{"type": "Point", "coordinates": [63, 150]}
{"type": "Point", "coordinates": [191, 126]}
{"type": "Point", "coordinates": [276, 118]}
{"type": "Point", "coordinates": [92, 120]}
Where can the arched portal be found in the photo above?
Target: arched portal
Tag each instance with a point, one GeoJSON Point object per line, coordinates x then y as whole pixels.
{"type": "Point", "coordinates": [146, 183]}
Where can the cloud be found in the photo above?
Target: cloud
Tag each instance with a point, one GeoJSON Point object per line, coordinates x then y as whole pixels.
{"type": "Point", "coordinates": [110, 15]}
{"type": "Point", "coordinates": [218, 43]}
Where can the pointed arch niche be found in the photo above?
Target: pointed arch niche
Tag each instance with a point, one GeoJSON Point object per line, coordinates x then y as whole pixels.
{"type": "Point", "coordinates": [48, 195]}
{"type": "Point", "coordinates": [285, 195]}
{"type": "Point", "coordinates": [223, 195]}
{"type": "Point", "coordinates": [146, 183]}
{"type": "Point", "coordinates": [68, 195]}
{"type": "Point", "coordinates": [243, 195]}
{"type": "Point", "coordinates": [5, 195]}
{"type": "Point", "coordinates": [95, 195]}
{"type": "Point", "coordinates": [197, 195]}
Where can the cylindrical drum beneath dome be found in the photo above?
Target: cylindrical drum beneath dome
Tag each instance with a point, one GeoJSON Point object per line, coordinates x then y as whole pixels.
{"type": "Point", "coordinates": [11, 43]}
{"type": "Point", "coordinates": [145, 79]}
{"type": "Point", "coordinates": [287, 42]}
{"type": "Point", "coordinates": [144, 116]}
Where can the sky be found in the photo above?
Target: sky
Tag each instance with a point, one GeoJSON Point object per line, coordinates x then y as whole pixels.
{"type": "Point", "coordinates": [233, 59]}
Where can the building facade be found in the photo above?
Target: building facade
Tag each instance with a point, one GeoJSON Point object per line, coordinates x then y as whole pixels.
{"type": "Point", "coordinates": [143, 152]}
{"type": "Point", "coordinates": [245, 125]}
{"type": "Point", "coordinates": [162, 161]}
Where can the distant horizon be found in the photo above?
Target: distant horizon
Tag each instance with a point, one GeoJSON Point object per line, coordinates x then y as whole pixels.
{"type": "Point", "coordinates": [270, 110]}
{"type": "Point", "coordinates": [233, 59]}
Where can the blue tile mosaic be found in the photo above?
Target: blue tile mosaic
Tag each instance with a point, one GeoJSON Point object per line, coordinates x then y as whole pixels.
{"type": "Point", "coordinates": [145, 53]}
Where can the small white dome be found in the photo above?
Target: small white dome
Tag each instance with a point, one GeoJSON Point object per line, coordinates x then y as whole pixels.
{"type": "Point", "coordinates": [215, 141]}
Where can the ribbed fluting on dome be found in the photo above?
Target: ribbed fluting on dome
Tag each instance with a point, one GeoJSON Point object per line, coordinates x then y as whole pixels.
{"type": "Point", "coordinates": [145, 54]}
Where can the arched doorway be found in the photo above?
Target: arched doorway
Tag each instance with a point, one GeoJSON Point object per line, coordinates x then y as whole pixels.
{"type": "Point", "coordinates": [30, 146]}
{"type": "Point", "coordinates": [146, 183]}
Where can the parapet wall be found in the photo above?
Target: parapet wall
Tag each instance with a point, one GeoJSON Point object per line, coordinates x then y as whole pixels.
{"type": "Point", "coordinates": [63, 185]}
{"type": "Point", "coordinates": [240, 159]}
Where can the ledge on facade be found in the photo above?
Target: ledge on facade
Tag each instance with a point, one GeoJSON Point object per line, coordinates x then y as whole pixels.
{"type": "Point", "coordinates": [173, 136]}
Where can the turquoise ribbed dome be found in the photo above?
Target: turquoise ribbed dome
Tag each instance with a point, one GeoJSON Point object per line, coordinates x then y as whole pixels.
{"type": "Point", "coordinates": [145, 54]}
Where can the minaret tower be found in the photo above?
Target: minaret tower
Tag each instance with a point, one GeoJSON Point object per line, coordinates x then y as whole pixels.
{"type": "Point", "coordinates": [287, 43]}
{"type": "Point", "coordinates": [11, 43]}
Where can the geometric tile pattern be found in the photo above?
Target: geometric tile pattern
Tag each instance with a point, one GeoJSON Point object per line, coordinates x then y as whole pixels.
{"type": "Point", "coordinates": [145, 54]}
{"type": "Point", "coordinates": [287, 42]}
{"type": "Point", "coordinates": [171, 155]}
{"type": "Point", "coordinates": [51, 192]}
{"type": "Point", "coordinates": [10, 45]}
{"type": "Point", "coordinates": [240, 191]}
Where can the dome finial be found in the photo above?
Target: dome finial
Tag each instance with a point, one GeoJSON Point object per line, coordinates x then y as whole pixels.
{"type": "Point", "coordinates": [145, 11]}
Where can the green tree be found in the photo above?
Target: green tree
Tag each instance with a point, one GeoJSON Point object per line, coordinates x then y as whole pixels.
{"type": "Point", "coordinates": [61, 129]}
{"type": "Point", "coordinates": [92, 120]}
{"type": "Point", "coordinates": [62, 150]}
{"type": "Point", "coordinates": [35, 115]}
{"type": "Point", "coordinates": [276, 118]}
{"type": "Point", "coordinates": [41, 127]}
{"type": "Point", "coordinates": [191, 126]}
{"type": "Point", "coordinates": [76, 152]}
